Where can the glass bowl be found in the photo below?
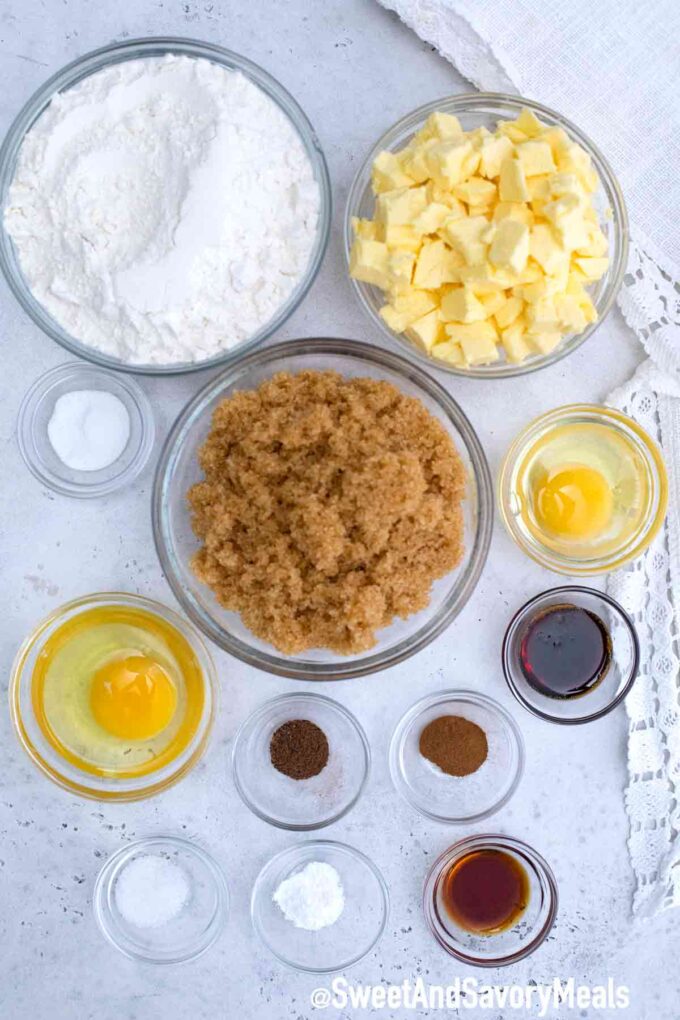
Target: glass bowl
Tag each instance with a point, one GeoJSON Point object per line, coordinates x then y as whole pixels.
{"type": "Point", "coordinates": [457, 799]}
{"type": "Point", "coordinates": [58, 767]}
{"type": "Point", "coordinates": [301, 804]}
{"type": "Point", "coordinates": [512, 495]}
{"type": "Point", "coordinates": [477, 109]}
{"type": "Point", "coordinates": [187, 935]}
{"type": "Point", "coordinates": [506, 947]}
{"type": "Point", "coordinates": [136, 49]}
{"type": "Point", "coordinates": [340, 945]}
{"type": "Point", "coordinates": [178, 470]}
{"type": "Point", "coordinates": [616, 683]}
{"type": "Point", "coordinates": [36, 410]}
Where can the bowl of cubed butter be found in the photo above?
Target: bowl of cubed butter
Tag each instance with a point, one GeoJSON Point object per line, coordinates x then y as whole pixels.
{"type": "Point", "coordinates": [486, 234]}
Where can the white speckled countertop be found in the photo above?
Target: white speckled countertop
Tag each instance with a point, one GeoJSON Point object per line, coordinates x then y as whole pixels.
{"type": "Point", "coordinates": [355, 69]}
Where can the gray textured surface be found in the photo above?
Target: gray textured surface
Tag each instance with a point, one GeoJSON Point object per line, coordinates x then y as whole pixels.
{"type": "Point", "coordinates": [354, 69]}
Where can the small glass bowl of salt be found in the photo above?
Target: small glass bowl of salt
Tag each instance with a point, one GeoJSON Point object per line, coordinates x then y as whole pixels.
{"type": "Point", "coordinates": [84, 431]}
{"type": "Point", "coordinates": [161, 900]}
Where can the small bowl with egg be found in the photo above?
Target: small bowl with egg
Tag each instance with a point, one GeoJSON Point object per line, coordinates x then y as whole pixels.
{"type": "Point", "coordinates": [113, 696]}
{"type": "Point", "coordinates": [583, 490]}
{"type": "Point", "coordinates": [486, 235]}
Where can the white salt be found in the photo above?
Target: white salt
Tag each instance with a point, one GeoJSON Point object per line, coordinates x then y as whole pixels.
{"type": "Point", "coordinates": [312, 898]}
{"type": "Point", "coordinates": [151, 890]}
{"type": "Point", "coordinates": [89, 429]}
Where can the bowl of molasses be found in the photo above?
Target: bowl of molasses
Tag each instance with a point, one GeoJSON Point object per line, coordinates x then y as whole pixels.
{"type": "Point", "coordinates": [571, 654]}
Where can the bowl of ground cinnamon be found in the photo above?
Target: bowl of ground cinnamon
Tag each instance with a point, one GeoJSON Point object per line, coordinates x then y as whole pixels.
{"type": "Point", "coordinates": [456, 756]}
{"type": "Point", "coordinates": [300, 761]}
{"type": "Point", "coordinates": [323, 509]}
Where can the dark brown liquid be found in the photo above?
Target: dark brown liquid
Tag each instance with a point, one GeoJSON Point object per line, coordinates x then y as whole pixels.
{"type": "Point", "coordinates": [486, 891]}
{"type": "Point", "coordinates": [565, 652]}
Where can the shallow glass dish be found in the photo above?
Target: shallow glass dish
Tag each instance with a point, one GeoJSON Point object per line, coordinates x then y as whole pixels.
{"type": "Point", "coordinates": [506, 947]}
{"type": "Point", "coordinates": [57, 766]}
{"type": "Point", "coordinates": [34, 443]}
{"type": "Point", "coordinates": [457, 799]}
{"type": "Point", "coordinates": [301, 804]}
{"type": "Point", "coordinates": [514, 496]}
{"type": "Point", "coordinates": [178, 470]}
{"type": "Point", "coordinates": [483, 109]}
{"type": "Point", "coordinates": [612, 688]}
{"type": "Point", "coordinates": [340, 945]}
{"type": "Point", "coordinates": [136, 49]}
{"type": "Point", "coordinates": [187, 935]}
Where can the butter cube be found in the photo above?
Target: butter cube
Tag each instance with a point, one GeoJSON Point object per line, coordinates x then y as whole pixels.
{"type": "Point", "coordinates": [459, 304]}
{"type": "Point", "coordinates": [529, 123]}
{"type": "Point", "coordinates": [436, 265]}
{"type": "Point", "coordinates": [483, 279]}
{"type": "Point", "coordinates": [493, 302]}
{"type": "Point", "coordinates": [477, 340]}
{"type": "Point", "coordinates": [543, 341]}
{"type": "Point", "coordinates": [539, 188]}
{"type": "Point", "coordinates": [433, 216]}
{"type": "Point", "coordinates": [514, 342]}
{"type": "Point", "coordinates": [407, 307]}
{"type": "Point", "coordinates": [471, 163]}
{"type": "Point", "coordinates": [365, 229]}
{"type": "Point", "coordinates": [476, 191]}
{"type": "Point", "coordinates": [400, 207]}
{"type": "Point", "coordinates": [401, 266]}
{"type": "Point", "coordinates": [387, 173]}
{"type": "Point", "coordinates": [445, 161]}
{"type": "Point", "coordinates": [508, 312]}
{"type": "Point", "coordinates": [449, 351]}
{"type": "Point", "coordinates": [370, 262]}
{"type": "Point", "coordinates": [572, 318]}
{"type": "Point", "coordinates": [510, 130]}
{"type": "Point", "coordinates": [557, 138]}
{"type": "Point", "coordinates": [510, 246]}
{"type": "Point", "coordinates": [566, 216]}
{"type": "Point", "coordinates": [415, 162]}
{"type": "Point", "coordinates": [536, 158]}
{"type": "Point", "coordinates": [513, 185]}
{"type": "Point", "coordinates": [428, 330]}
{"type": "Point", "coordinates": [465, 236]}
{"type": "Point", "coordinates": [592, 268]}
{"type": "Point", "coordinates": [401, 236]}
{"type": "Point", "coordinates": [493, 151]}
{"type": "Point", "coordinates": [546, 250]}
{"type": "Point", "coordinates": [573, 159]}
{"type": "Point", "coordinates": [543, 316]}
{"type": "Point", "coordinates": [442, 126]}
{"type": "Point", "coordinates": [442, 196]}
{"type": "Point", "coordinates": [596, 245]}
{"type": "Point", "coordinates": [513, 211]}
{"type": "Point", "coordinates": [564, 184]}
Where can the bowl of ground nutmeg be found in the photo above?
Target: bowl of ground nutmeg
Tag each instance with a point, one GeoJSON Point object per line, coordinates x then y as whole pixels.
{"type": "Point", "coordinates": [322, 509]}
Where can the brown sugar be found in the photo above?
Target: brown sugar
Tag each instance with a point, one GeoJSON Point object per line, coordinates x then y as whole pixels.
{"type": "Point", "coordinates": [329, 507]}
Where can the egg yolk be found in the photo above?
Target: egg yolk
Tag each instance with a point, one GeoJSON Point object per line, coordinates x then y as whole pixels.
{"type": "Point", "coordinates": [574, 501]}
{"type": "Point", "coordinates": [133, 698]}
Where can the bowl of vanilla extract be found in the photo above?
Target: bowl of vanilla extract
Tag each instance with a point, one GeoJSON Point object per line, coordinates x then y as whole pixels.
{"type": "Point", "coordinates": [490, 900]}
{"type": "Point", "coordinates": [571, 654]}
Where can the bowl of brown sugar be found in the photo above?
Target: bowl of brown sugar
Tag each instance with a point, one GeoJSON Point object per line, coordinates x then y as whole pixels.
{"type": "Point", "coordinates": [322, 509]}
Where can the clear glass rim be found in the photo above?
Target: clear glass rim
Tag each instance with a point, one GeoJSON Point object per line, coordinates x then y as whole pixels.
{"type": "Point", "coordinates": [293, 852]}
{"type": "Point", "coordinates": [109, 871]}
{"type": "Point", "coordinates": [275, 663]}
{"type": "Point", "coordinates": [264, 710]}
{"type": "Point", "coordinates": [73, 489]}
{"type": "Point", "coordinates": [655, 465]}
{"type": "Point", "coordinates": [492, 841]}
{"type": "Point", "coordinates": [471, 101]}
{"type": "Point", "coordinates": [131, 49]}
{"type": "Point", "coordinates": [521, 615]}
{"type": "Point", "coordinates": [86, 788]}
{"type": "Point", "coordinates": [441, 697]}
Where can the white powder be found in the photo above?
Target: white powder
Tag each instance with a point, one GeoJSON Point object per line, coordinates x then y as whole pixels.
{"type": "Point", "coordinates": [151, 891]}
{"type": "Point", "coordinates": [163, 209]}
{"type": "Point", "coordinates": [89, 429]}
{"type": "Point", "coordinates": [312, 898]}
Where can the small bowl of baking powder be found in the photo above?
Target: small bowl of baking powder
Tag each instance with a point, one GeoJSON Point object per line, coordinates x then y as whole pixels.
{"type": "Point", "coordinates": [85, 432]}
{"type": "Point", "coordinates": [165, 205]}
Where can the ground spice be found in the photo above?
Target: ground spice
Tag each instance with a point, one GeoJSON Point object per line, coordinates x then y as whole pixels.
{"type": "Point", "coordinates": [299, 749]}
{"type": "Point", "coordinates": [456, 745]}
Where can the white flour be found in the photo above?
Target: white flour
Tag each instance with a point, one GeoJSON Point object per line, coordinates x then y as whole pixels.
{"type": "Point", "coordinates": [163, 209]}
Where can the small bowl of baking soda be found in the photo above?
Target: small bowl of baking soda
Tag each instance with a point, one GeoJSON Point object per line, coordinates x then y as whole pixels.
{"type": "Point", "coordinates": [84, 431]}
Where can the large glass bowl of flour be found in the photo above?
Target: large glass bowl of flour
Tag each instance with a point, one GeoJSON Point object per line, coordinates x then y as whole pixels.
{"type": "Point", "coordinates": [159, 226]}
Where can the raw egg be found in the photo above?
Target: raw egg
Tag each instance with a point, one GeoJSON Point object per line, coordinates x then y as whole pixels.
{"type": "Point", "coordinates": [118, 691]}
{"type": "Point", "coordinates": [573, 500]}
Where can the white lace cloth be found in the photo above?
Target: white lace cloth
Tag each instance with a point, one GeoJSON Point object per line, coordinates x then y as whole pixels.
{"type": "Point", "coordinates": [612, 67]}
